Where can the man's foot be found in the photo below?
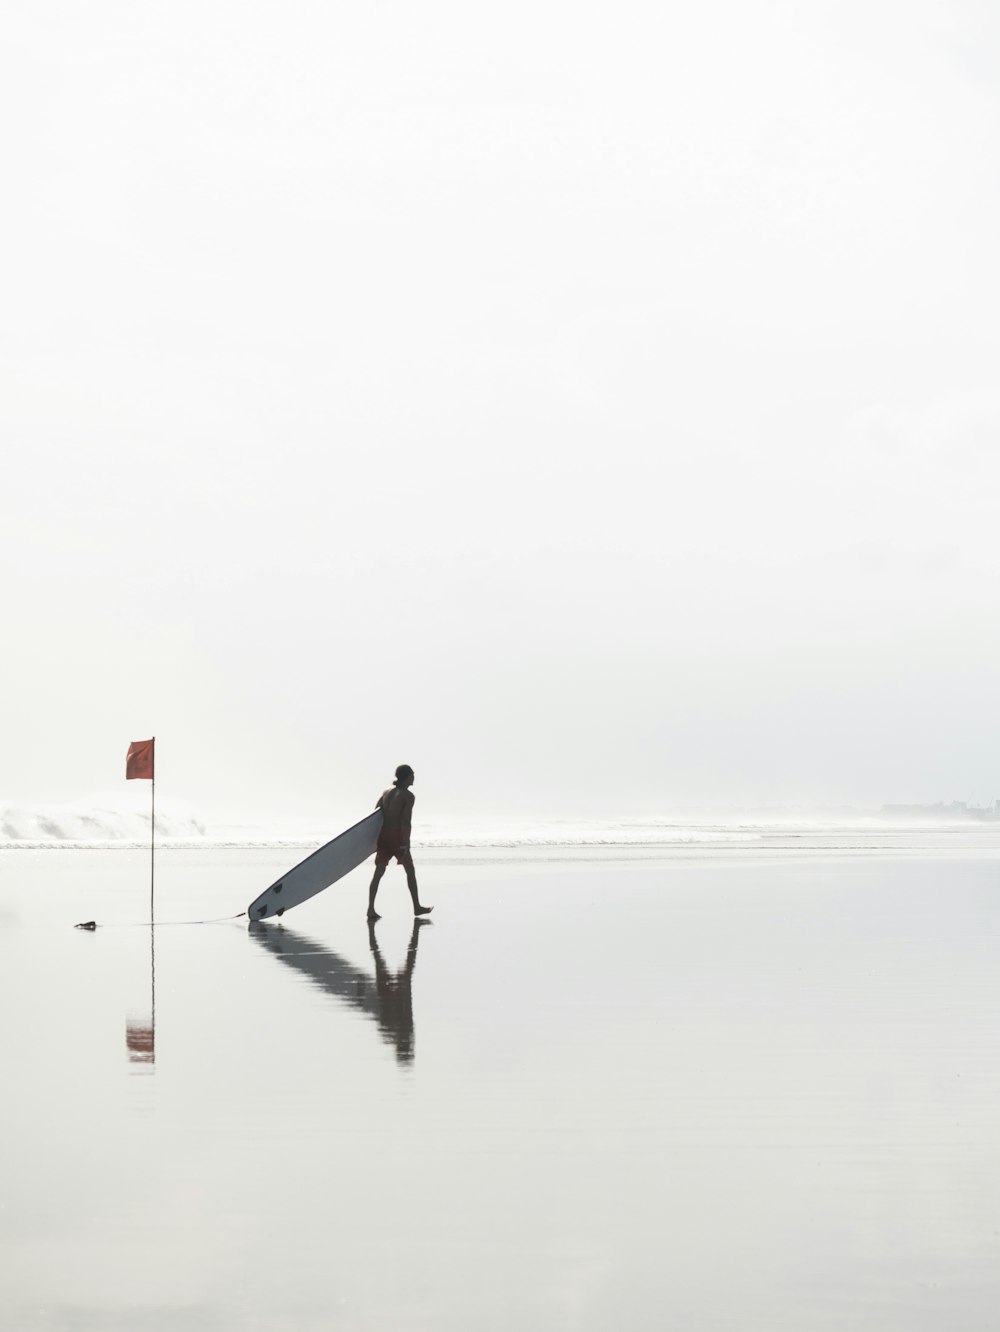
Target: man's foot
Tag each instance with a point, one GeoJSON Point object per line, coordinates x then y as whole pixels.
{"type": "Point", "coordinates": [373, 914]}
{"type": "Point", "coordinates": [422, 911]}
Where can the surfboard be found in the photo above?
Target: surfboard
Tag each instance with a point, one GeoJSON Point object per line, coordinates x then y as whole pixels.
{"type": "Point", "coordinates": [318, 871]}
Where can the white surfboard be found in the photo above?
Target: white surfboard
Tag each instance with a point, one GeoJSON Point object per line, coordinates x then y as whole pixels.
{"type": "Point", "coordinates": [318, 871]}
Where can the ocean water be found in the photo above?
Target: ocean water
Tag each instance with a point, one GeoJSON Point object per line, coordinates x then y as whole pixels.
{"type": "Point", "coordinates": [744, 1084]}
{"type": "Point", "coordinates": [120, 820]}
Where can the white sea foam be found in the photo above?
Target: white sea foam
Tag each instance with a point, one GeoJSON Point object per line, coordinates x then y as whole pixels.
{"type": "Point", "coordinates": [97, 821]}
{"type": "Point", "coordinates": [121, 821]}
{"type": "Point", "coordinates": [594, 832]}
{"type": "Point", "coordinates": [124, 821]}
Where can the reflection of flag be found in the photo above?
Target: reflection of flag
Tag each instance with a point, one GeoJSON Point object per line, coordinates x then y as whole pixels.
{"type": "Point", "coordinates": [140, 1038]}
{"type": "Point", "coordinates": [140, 760]}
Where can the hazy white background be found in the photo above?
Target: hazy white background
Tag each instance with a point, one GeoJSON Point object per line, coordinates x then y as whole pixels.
{"type": "Point", "coordinates": [593, 405]}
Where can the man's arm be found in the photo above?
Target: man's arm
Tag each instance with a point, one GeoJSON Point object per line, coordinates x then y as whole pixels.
{"type": "Point", "coordinates": [407, 816]}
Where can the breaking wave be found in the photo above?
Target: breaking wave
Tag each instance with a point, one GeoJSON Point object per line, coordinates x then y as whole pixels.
{"type": "Point", "coordinates": [95, 823]}
{"type": "Point", "coordinates": [123, 822]}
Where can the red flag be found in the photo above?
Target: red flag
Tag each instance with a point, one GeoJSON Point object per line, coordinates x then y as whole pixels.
{"type": "Point", "coordinates": [140, 760]}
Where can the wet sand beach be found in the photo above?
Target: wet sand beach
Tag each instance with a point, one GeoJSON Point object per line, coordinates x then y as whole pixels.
{"type": "Point", "coordinates": [710, 1090]}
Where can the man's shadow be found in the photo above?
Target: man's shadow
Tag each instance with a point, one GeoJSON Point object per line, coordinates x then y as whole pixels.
{"type": "Point", "coordinates": [387, 997]}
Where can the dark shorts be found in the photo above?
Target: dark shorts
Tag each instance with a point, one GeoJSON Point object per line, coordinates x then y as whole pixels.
{"type": "Point", "coordinates": [383, 854]}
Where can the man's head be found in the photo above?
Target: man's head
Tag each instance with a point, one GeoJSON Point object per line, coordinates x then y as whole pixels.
{"type": "Point", "coordinates": [404, 775]}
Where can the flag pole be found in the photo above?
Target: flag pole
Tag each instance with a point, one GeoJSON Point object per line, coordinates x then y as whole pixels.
{"type": "Point", "coordinates": [140, 762]}
{"type": "Point", "coordinates": [152, 834]}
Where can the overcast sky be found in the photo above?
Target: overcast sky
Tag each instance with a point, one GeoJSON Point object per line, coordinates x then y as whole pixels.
{"type": "Point", "coordinates": [592, 405]}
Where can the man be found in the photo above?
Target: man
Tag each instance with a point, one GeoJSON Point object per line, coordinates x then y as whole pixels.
{"type": "Point", "coordinates": [396, 805]}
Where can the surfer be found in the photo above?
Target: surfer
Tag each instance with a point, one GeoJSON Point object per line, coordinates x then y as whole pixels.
{"type": "Point", "coordinates": [396, 805]}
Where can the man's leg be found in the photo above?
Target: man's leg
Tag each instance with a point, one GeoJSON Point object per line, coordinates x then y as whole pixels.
{"type": "Point", "coordinates": [406, 860]}
{"type": "Point", "coordinates": [373, 888]}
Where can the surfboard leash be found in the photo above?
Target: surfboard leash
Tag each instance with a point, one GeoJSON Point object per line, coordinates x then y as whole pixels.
{"type": "Point", "coordinates": [144, 924]}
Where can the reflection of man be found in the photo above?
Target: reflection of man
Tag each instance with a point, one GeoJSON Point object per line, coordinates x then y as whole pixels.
{"type": "Point", "coordinates": [386, 997]}
{"type": "Point", "coordinates": [396, 805]}
{"type": "Point", "coordinates": [395, 995]}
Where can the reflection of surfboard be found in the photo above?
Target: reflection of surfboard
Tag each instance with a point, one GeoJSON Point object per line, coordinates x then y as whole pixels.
{"type": "Point", "coordinates": [318, 871]}
{"type": "Point", "coordinates": [320, 965]}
